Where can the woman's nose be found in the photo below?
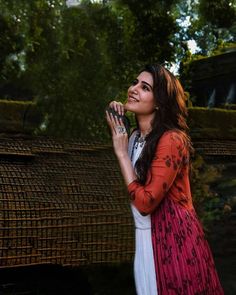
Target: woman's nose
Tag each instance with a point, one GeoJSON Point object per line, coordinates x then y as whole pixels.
{"type": "Point", "coordinates": [134, 88]}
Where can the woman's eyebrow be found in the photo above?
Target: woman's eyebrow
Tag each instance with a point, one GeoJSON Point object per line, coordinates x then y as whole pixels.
{"type": "Point", "coordinates": [144, 82]}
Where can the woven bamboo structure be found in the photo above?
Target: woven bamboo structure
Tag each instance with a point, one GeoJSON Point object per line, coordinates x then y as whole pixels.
{"type": "Point", "coordinates": [216, 147]}
{"type": "Point", "coordinates": [62, 203]}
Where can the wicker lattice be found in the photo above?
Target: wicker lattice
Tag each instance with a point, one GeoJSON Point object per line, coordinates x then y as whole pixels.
{"type": "Point", "coordinates": [62, 203]}
{"type": "Point", "coordinates": [217, 147]}
{"type": "Point", "coordinates": [65, 202]}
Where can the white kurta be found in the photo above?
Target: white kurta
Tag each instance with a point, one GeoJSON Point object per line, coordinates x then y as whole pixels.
{"type": "Point", "coordinates": [144, 268]}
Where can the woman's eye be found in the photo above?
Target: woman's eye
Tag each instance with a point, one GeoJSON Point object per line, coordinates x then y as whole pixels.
{"type": "Point", "coordinates": [146, 88]}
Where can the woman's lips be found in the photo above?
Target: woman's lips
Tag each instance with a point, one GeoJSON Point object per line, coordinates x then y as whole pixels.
{"type": "Point", "coordinates": [132, 99]}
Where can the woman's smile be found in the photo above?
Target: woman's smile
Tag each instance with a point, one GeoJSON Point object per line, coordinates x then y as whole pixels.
{"type": "Point", "coordinates": [131, 98]}
{"type": "Point", "coordinates": [140, 95]}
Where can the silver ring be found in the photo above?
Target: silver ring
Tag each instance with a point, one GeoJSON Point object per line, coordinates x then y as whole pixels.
{"type": "Point", "coordinates": [121, 129]}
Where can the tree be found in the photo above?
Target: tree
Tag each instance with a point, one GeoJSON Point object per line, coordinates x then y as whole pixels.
{"type": "Point", "coordinates": [62, 64]}
{"type": "Point", "coordinates": [209, 23]}
{"type": "Point", "coordinates": [12, 44]}
{"type": "Point", "coordinates": [72, 61]}
{"type": "Point", "coordinates": [212, 25]}
{"type": "Point", "coordinates": [75, 93]}
{"type": "Point", "coordinates": [219, 13]}
{"type": "Point", "coordinates": [29, 32]}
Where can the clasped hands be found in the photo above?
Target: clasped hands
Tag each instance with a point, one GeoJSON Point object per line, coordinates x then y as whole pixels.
{"type": "Point", "coordinates": [118, 131]}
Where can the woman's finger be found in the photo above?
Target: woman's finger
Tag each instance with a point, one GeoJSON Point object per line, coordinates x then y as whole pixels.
{"type": "Point", "coordinates": [117, 124]}
{"type": "Point", "coordinates": [110, 122]}
{"type": "Point", "coordinates": [113, 105]}
{"type": "Point", "coordinates": [120, 106]}
{"type": "Point", "coordinates": [117, 107]}
{"type": "Point", "coordinates": [108, 119]}
{"type": "Point", "coordinates": [121, 122]}
{"type": "Point", "coordinates": [117, 121]}
{"type": "Point", "coordinates": [114, 121]}
{"type": "Point", "coordinates": [120, 125]}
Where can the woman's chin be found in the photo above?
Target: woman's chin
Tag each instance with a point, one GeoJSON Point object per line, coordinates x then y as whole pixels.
{"type": "Point", "coordinates": [129, 107]}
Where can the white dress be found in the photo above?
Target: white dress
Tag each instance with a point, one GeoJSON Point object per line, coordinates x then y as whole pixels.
{"type": "Point", "coordinates": [144, 268]}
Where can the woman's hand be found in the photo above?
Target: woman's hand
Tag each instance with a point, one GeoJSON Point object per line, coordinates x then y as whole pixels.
{"type": "Point", "coordinates": [118, 107]}
{"type": "Point", "coordinates": [120, 142]}
{"type": "Point", "coordinates": [119, 134]}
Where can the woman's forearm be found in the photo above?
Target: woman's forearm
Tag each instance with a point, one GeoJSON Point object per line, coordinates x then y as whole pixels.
{"type": "Point", "coordinates": [127, 169]}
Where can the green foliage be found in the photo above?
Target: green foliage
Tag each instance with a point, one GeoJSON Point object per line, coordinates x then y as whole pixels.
{"type": "Point", "coordinates": [76, 92]}
{"type": "Point", "coordinates": [215, 12]}
{"type": "Point", "coordinates": [224, 47]}
{"type": "Point", "coordinates": [206, 201]}
{"type": "Point", "coordinates": [73, 61]}
{"type": "Point", "coordinates": [215, 25]}
{"type": "Point", "coordinates": [212, 123]}
{"type": "Point", "coordinates": [208, 23]}
{"type": "Point", "coordinates": [34, 24]}
{"type": "Point", "coordinates": [154, 28]}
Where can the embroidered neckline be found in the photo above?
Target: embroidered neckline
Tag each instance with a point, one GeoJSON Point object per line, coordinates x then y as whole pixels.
{"type": "Point", "coordinates": [138, 140]}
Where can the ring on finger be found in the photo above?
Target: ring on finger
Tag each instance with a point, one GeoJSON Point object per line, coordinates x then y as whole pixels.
{"type": "Point", "coordinates": [121, 129]}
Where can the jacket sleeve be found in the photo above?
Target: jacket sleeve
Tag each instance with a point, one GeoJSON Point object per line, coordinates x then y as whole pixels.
{"type": "Point", "coordinates": [161, 175]}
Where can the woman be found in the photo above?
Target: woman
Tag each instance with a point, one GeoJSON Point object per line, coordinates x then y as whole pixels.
{"type": "Point", "coordinates": [155, 165]}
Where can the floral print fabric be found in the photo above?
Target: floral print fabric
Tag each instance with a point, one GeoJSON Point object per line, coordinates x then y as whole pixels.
{"type": "Point", "coordinates": [183, 261]}
{"type": "Point", "coordinates": [168, 173]}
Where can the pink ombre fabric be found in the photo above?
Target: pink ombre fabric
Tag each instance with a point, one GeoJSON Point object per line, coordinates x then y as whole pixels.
{"type": "Point", "coordinates": [183, 261]}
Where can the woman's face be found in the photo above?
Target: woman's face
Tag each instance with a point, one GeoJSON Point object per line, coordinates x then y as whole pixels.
{"type": "Point", "coordinates": [140, 95]}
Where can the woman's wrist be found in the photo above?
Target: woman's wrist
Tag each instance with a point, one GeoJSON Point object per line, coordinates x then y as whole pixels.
{"type": "Point", "coordinates": [126, 166]}
{"type": "Point", "coordinates": [122, 155]}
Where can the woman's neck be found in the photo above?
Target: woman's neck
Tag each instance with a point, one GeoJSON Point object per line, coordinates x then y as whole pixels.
{"type": "Point", "coordinates": [144, 126]}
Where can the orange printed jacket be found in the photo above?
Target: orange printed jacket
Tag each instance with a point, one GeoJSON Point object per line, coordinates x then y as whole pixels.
{"type": "Point", "coordinates": [168, 176]}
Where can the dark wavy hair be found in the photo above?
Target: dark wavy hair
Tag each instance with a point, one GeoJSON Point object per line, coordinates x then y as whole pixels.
{"type": "Point", "coordinates": [171, 115]}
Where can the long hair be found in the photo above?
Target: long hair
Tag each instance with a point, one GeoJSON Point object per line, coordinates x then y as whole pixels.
{"type": "Point", "coordinates": [171, 115]}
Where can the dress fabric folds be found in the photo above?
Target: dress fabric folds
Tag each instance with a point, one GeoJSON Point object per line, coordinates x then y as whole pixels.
{"type": "Point", "coordinates": [144, 267]}
{"type": "Point", "coordinates": [183, 259]}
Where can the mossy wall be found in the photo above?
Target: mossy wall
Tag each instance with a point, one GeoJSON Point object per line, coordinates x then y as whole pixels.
{"type": "Point", "coordinates": [24, 117]}
{"type": "Point", "coordinates": [18, 117]}
{"type": "Point", "coordinates": [212, 123]}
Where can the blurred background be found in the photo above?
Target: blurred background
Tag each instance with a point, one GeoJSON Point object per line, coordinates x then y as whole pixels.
{"type": "Point", "coordinates": [62, 62]}
{"type": "Point", "coordinates": [73, 57]}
